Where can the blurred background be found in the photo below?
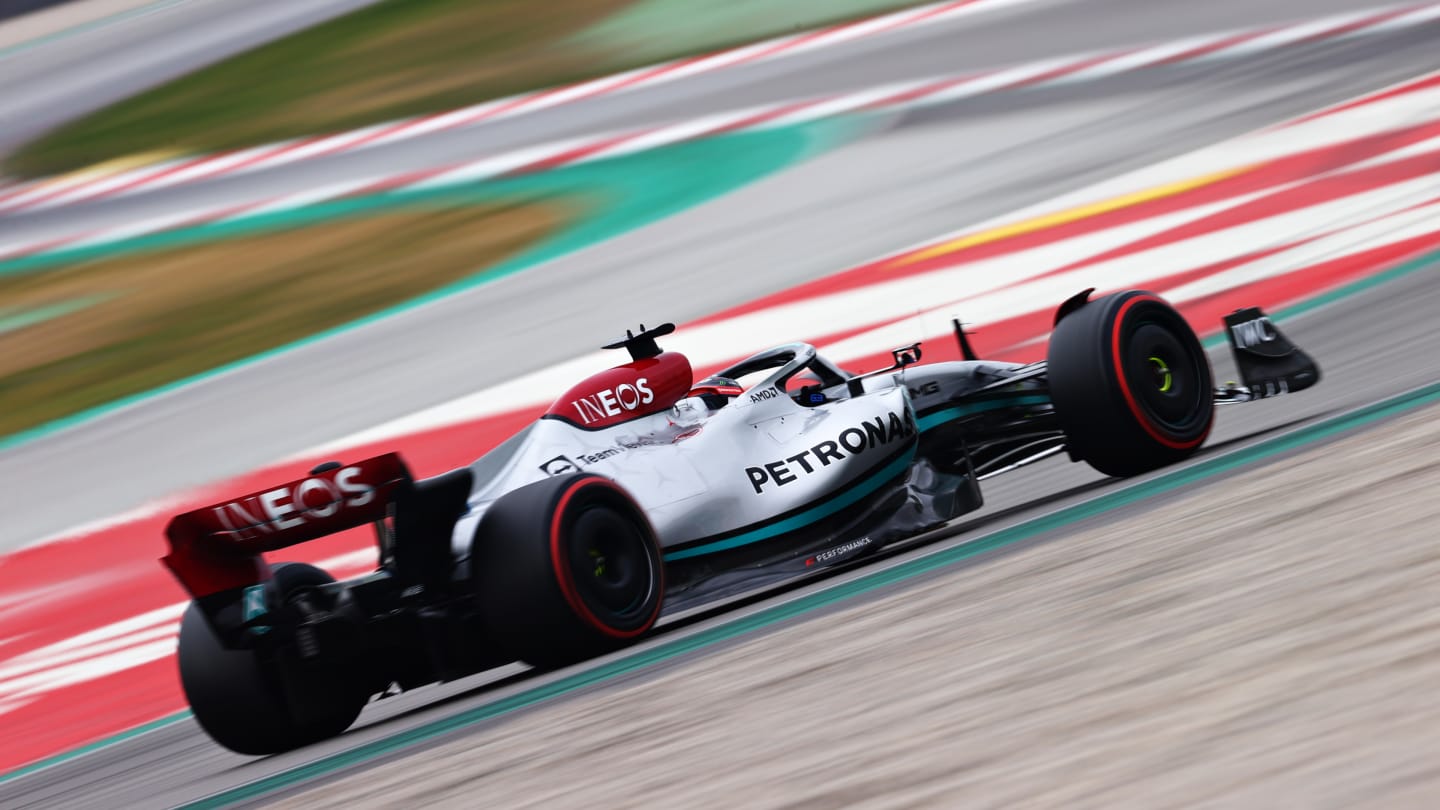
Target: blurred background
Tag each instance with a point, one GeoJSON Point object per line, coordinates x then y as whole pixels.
{"type": "Point", "coordinates": [238, 237]}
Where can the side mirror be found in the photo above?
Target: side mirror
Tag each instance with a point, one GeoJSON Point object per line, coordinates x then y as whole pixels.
{"type": "Point", "coordinates": [905, 355]}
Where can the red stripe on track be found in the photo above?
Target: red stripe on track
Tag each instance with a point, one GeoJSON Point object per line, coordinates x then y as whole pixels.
{"type": "Point", "coordinates": [1218, 45]}
{"type": "Point", "coordinates": [1419, 85]}
{"type": "Point", "coordinates": [61, 190]}
{"type": "Point", "coordinates": [1308, 195]}
{"type": "Point", "coordinates": [366, 140]}
{"type": "Point", "coordinates": [151, 177]}
{"type": "Point", "coordinates": [601, 86]}
{"type": "Point", "coordinates": [1205, 314]}
{"type": "Point", "coordinates": [17, 190]}
{"type": "Point", "coordinates": [1361, 24]}
{"type": "Point", "coordinates": [923, 91]}
{"type": "Point", "coordinates": [1289, 169]}
{"type": "Point", "coordinates": [577, 153]}
{"type": "Point", "coordinates": [261, 158]}
{"type": "Point", "coordinates": [604, 86]}
{"type": "Point", "coordinates": [765, 116]}
{"type": "Point", "coordinates": [804, 39]}
{"type": "Point", "coordinates": [795, 42]}
{"type": "Point", "coordinates": [1066, 70]}
{"type": "Point", "coordinates": [399, 181]}
{"type": "Point", "coordinates": [460, 121]}
{"type": "Point", "coordinates": [53, 725]}
{"type": "Point", "coordinates": [521, 101]}
{"type": "Point", "coordinates": [1312, 280]}
{"type": "Point", "coordinates": [645, 75]}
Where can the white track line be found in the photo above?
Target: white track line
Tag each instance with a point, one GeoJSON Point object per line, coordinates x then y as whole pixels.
{"type": "Point", "coordinates": [89, 187]}
{"type": "Point", "coordinates": [897, 96]}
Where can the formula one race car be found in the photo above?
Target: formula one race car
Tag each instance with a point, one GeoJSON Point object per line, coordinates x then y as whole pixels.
{"type": "Point", "coordinates": [639, 488]}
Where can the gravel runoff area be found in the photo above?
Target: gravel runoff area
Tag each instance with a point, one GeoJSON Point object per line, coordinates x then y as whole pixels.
{"type": "Point", "coordinates": [1269, 640]}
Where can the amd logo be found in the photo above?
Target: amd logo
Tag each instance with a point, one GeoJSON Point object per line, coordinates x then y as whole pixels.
{"type": "Point", "coordinates": [614, 401]}
{"type": "Point", "coordinates": [290, 507]}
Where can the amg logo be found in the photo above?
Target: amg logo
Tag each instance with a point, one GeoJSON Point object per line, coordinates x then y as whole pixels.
{"type": "Point", "coordinates": [614, 401]}
{"type": "Point", "coordinates": [925, 389]}
{"type": "Point", "coordinates": [1253, 333]}
{"type": "Point", "coordinates": [853, 441]}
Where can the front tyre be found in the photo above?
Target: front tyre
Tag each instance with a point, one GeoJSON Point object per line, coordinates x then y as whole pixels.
{"type": "Point", "coordinates": [565, 569]}
{"type": "Point", "coordinates": [238, 695]}
{"type": "Point", "coordinates": [1130, 383]}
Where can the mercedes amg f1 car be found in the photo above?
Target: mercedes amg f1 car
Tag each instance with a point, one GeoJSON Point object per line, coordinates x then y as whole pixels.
{"type": "Point", "coordinates": [639, 488]}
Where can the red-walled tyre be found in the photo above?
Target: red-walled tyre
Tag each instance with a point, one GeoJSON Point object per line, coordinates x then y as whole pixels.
{"type": "Point", "coordinates": [1131, 384]}
{"type": "Point", "coordinates": [238, 696]}
{"type": "Point", "coordinates": [565, 569]}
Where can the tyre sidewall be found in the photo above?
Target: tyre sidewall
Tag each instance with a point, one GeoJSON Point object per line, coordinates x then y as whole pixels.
{"type": "Point", "coordinates": [525, 581]}
{"type": "Point", "coordinates": [1103, 411]}
{"type": "Point", "coordinates": [237, 695]}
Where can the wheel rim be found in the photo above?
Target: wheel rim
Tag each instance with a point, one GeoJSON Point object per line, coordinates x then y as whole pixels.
{"type": "Point", "coordinates": [1166, 378]}
{"type": "Point", "coordinates": [610, 564]}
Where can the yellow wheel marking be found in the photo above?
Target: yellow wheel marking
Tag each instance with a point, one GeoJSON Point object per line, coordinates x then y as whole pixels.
{"type": "Point", "coordinates": [1163, 369]}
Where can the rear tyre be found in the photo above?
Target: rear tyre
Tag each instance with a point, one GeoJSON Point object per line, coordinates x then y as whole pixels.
{"type": "Point", "coordinates": [565, 569]}
{"type": "Point", "coordinates": [237, 695]}
{"type": "Point", "coordinates": [1131, 384]}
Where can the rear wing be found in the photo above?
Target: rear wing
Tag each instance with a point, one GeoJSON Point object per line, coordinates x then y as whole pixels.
{"type": "Point", "coordinates": [219, 548]}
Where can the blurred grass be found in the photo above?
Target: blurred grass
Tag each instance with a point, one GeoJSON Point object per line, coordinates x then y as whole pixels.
{"type": "Point", "coordinates": [152, 319]}
{"type": "Point", "coordinates": [395, 59]}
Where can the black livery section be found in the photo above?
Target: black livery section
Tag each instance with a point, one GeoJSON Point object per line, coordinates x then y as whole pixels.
{"type": "Point", "coordinates": [1269, 363]}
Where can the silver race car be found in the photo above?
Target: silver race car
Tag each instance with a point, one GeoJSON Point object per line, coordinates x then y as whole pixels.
{"type": "Point", "coordinates": [641, 489]}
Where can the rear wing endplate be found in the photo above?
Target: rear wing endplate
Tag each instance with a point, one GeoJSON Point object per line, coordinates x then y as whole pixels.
{"type": "Point", "coordinates": [220, 547]}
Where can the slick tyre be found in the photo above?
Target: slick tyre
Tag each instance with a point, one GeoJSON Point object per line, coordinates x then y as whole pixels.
{"type": "Point", "coordinates": [1130, 382]}
{"type": "Point", "coordinates": [565, 569]}
{"type": "Point", "coordinates": [237, 695]}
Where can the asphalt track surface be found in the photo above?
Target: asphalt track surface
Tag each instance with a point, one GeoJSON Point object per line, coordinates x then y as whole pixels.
{"type": "Point", "coordinates": [925, 174]}
{"type": "Point", "coordinates": [72, 73]}
{"type": "Point", "coordinates": [920, 176]}
{"type": "Point", "coordinates": [1365, 359]}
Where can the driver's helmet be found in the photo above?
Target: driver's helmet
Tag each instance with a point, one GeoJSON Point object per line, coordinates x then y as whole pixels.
{"type": "Point", "coordinates": [716, 391]}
